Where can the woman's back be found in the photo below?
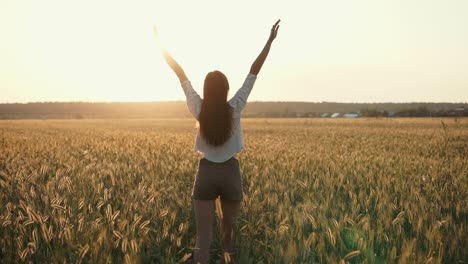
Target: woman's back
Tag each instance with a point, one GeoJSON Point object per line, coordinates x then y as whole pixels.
{"type": "Point", "coordinates": [235, 142]}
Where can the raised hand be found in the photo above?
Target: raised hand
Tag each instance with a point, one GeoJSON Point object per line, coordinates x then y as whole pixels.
{"type": "Point", "coordinates": [158, 39]}
{"type": "Point", "coordinates": [258, 63]}
{"type": "Point", "coordinates": [274, 31]}
{"type": "Point", "coordinates": [169, 59]}
{"type": "Point", "coordinates": [156, 32]}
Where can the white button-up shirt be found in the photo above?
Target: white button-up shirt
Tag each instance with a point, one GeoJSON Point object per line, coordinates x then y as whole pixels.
{"type": "Point", "coordinates": [236, 142]}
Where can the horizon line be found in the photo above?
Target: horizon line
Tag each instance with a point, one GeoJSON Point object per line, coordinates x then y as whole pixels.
{"type": "Point", "coordinates": [179, 101]}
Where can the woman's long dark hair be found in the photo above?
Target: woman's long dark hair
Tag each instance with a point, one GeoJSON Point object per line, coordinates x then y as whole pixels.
{"type": "Point", "coordinates": [216, 114]}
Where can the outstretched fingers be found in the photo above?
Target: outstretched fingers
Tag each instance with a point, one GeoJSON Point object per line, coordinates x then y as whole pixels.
{"type": "Point", "coordinates": [274, 30]}
{"type": "Point", "coordinates": [156, 33]}
{"type": "Point", "coordinates": [159, 43]}
{"type": "Point", "coordinates": [276, 24]}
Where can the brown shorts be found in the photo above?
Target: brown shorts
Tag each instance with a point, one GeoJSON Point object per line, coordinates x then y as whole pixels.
{"type": "Point", "coordinates": [218, 179]}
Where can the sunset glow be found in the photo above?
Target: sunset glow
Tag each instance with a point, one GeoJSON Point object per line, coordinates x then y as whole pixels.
{"type": "Point", "coordinates": [346, 51]}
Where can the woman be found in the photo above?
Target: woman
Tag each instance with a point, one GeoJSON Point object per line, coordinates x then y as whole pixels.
{"type": "Point", "coordinates": [219, 138]}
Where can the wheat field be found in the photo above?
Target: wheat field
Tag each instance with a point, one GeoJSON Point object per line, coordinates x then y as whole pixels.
{"type": "Point", "coordinates": [316, 191]}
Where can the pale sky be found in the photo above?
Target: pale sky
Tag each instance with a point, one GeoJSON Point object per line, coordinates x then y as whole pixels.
{"type": "Point", "coordinates": [341, 51]}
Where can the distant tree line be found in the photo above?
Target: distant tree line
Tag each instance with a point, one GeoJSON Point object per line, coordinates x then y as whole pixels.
{"type": "Point", "coordinates": [178, 109]}
{"type": "Point", "coordinates": [421, 111]}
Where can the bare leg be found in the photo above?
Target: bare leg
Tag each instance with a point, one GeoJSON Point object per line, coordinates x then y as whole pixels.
{"type": "Point", "coordinates": [231, 210]}
{"type": "Point", "coordinates": [204, 218]}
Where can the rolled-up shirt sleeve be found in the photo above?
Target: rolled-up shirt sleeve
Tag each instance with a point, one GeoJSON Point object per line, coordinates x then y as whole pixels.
{"type": "Point", "coordinates": [194, 100]}
{"type": "Point", "coordinates": [239, 100]}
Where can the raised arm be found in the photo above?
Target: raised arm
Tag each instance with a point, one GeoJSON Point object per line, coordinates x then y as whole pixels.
{"type": "Point", "coordinates": [170, 60]}
{"type": "Point", "coordinates": [194, 100]}
{"type": "Point", "coordinates": [258, 63]}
